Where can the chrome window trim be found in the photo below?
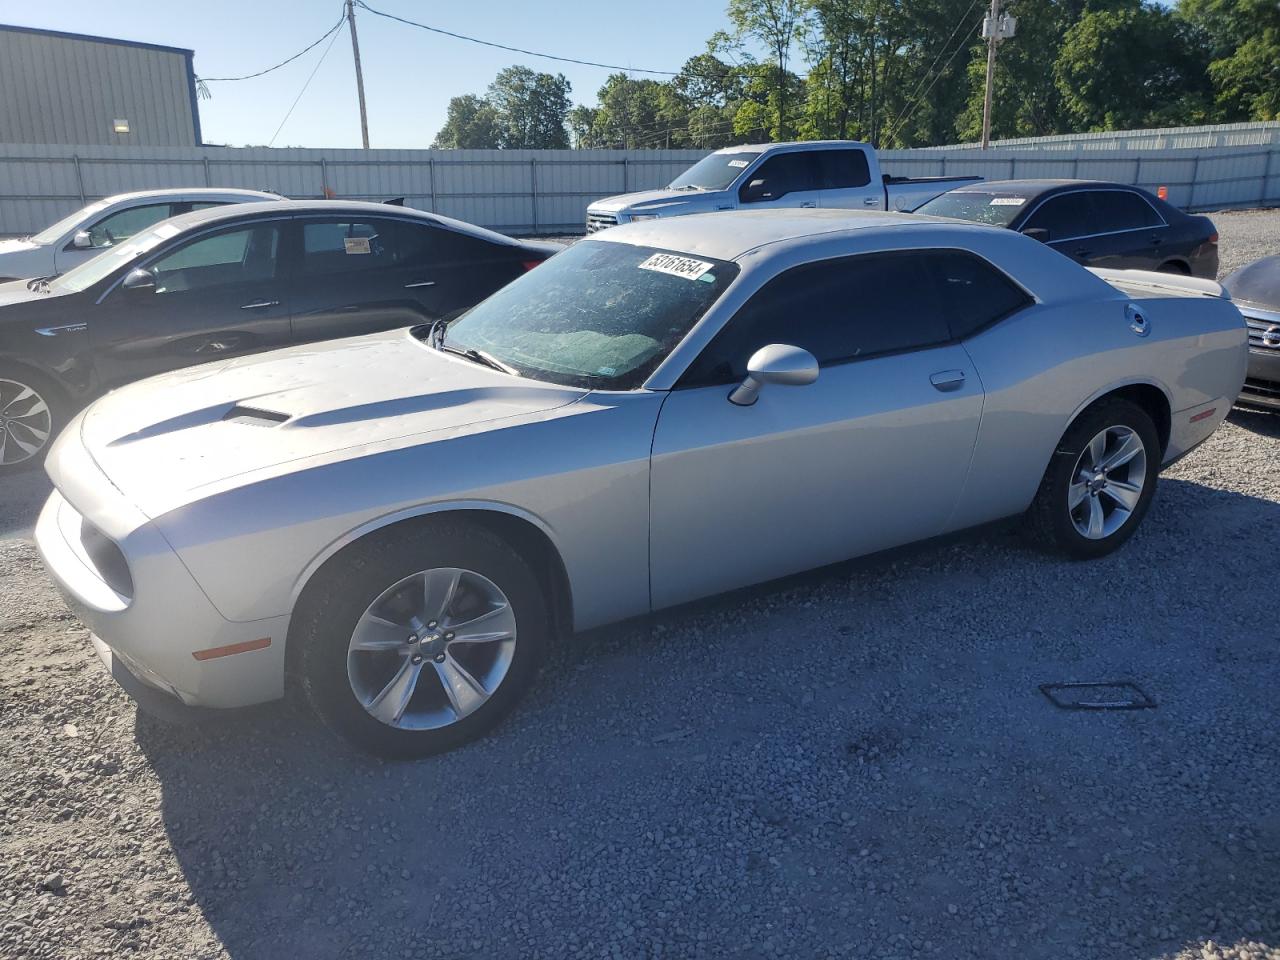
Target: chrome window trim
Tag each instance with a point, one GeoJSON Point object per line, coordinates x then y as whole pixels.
{"type": "Point", "coordinates": [1106, 233]}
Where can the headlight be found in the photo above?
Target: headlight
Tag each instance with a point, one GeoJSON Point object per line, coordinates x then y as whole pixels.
{"type": "Point", "coordinates": [637, 217]}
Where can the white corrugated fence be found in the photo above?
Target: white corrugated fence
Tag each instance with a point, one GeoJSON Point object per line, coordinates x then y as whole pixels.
{"type": "Point", "coordinates": [547, 191]}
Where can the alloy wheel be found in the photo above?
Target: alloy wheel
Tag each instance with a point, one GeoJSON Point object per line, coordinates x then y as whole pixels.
{"type": "Point", "coordinates": [431, 649]}
{"type": "Point", "coordinates": [25, 422]}
{"type": "Point", "coordinates": [1107, 482]}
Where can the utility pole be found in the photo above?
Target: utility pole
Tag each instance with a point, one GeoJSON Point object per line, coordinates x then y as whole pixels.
{"type": "Point", "coordinates": [355, 50]}
{"type": "Point", "coordinates": [995, 27]}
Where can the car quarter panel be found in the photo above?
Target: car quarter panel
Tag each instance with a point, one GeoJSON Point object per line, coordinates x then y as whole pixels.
{"type": "Point", "coordinates": [1043, 366]}
{"type": "Point", "coordinates": [579, 472]}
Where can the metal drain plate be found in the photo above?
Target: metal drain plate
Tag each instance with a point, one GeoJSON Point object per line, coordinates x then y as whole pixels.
{"type": "Point", "coordinates": [1104, 695]}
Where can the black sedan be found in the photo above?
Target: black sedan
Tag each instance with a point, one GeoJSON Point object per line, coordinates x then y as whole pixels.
{"type": "Point", "coordinates": [231, 280]}
{"type": "Point", "coordinates": [1256, 290]}
{"type": "Point", "coordinates": [1095, 223]}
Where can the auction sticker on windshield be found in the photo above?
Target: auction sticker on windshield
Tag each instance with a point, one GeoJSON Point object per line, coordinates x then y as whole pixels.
{"type": "Point", "coordinates": [685, 267]}
{"type": "Point", "coordinates": [1008, 201]}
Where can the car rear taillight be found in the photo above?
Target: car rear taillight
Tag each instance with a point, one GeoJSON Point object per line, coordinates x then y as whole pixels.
{"type": "Point", "coordinates": [529, 264]}
{"type": "Point", "coordinates": [1162, 193]}
{"type": "Point", "coordinates": [1213, 238]}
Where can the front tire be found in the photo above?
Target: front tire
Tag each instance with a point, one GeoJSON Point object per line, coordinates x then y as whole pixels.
{"type": "Point", "coordinates": [1099, 483]}
{"type": "Point", "coordinates": [32, 411]}
{"type": "Point", "coordinates": [421, 639]}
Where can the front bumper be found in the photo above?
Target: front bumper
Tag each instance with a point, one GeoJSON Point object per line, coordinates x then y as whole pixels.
{"type": "Point", "coordinates": [161, 626]}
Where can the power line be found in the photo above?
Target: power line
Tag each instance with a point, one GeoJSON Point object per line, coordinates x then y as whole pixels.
{"type": "Point", "coordinates": [894, 132]}
{"type": "Point", "coordinates": [310, 46]}
{"type": "Point", "coordinates": [503, 46]}
{"type": "Point", "coordinates": [943, 49]}
{"type": "Point", "coordinates": [311, 77]}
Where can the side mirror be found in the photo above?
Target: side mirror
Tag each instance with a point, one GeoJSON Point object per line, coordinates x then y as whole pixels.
{"type": "Point", "coordinates": [754, 192]}
{"type": "Point", "coordinates": [1037, 233]}
{"type": "Point", "coordinates": [139, 279]}
{"type": "Point", "coordinates": [82, 240]}
{"type": "Point", "coordinates": [777, 363]}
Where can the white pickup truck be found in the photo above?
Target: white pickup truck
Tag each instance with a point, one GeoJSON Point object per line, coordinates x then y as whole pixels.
{"type": "Point", "coordinates": [817, 173]}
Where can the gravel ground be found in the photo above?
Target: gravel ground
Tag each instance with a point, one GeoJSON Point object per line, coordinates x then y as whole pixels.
{"type": "Point", "coordinates": [854, 763]}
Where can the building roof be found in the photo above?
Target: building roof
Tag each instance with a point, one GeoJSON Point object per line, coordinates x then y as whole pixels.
{"type": "Point", "coordinates": [184, 51]}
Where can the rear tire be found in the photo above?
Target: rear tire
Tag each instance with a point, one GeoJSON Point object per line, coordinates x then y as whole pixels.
{"type": "Point", "coordinates": [1099, 482]}
{"type": "Point", "coordinates": [420, 639]}
{"type": "Point", "coordinates": [33, 409]}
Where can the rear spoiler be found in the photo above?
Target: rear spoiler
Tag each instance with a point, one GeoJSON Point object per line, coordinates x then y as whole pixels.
{"type": "Point", "coordinates": [1158, 282]}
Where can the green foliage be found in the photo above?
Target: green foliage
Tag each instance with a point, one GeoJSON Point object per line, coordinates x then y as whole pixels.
{"type": "Point", "coordinates": [472, 124]}
{"type": "Point", "coordinates": [1243, 39]}
{"type": "Point", "coordinates": [907, 73]}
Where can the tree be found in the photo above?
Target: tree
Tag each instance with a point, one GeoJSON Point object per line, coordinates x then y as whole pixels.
{"type": "Point", "coordinates": [632, 113]}
{"type": "Point", "coordinates": [1243, 37]}
{"type": "Point", "coordinates": [1131, 65]}
{"type": "Point", "coordinates": [471, 124]}
{"type": "Point", "coordinates": [582, 121]}
{"type": "Point", "coordinates": [774, 24]}
{"type": "Point", "coordinates": [532, 108]}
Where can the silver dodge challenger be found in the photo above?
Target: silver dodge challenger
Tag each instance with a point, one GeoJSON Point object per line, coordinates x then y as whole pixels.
{"type": "Point", "coordinates": [397, 526]}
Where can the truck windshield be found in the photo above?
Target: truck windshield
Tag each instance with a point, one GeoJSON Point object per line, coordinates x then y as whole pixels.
{"type": "Point", "coordinates": [600, 315]}
{"type": "Point", "coordinates": [981, 207]}
{"type": "Point", "coordinates": [714, 172]}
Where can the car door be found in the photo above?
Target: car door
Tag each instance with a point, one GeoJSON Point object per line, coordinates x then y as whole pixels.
{"type": "Point", "coordinates": [1129, 234]}
{"type": "Point", "coordinates": [216, 295]}
{"type": "Point", "coordinates": [1069, 220]}
{"type": "Point", "coordinates": [790, 179]}
{"type": "Point", "coordinates": [359, 274]}
{"type": "Point", "coordinates": [846, 181]}
{"type": "Point", "coordinates": [112, 229]}
{"type": "Point", "coordinates": [874, 453]}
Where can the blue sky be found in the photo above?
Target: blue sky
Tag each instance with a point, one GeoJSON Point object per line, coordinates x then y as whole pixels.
{"type": "Point", "coordinates": [409, 74]}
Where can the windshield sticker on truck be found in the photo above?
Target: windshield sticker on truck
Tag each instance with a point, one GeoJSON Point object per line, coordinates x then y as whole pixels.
{"type": "Point", "coordinates": [1008, 201]}
{"type": "Point", "coordinates": [356, 244]}
{"type": "Point", "coordinates": [685, 267]}
{"type": "Point", "coordinates": [738, 163]}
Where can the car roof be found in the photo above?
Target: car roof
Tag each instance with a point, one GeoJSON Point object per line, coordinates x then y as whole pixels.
{"type": "Point", "coordinates": [193, 192]}
{"type": "Point", "coordinates": [730, 234]}
{"type": "Point", "coordinates": [1038, 187]}
{"type": "Point", "coordinates": [215, 215]}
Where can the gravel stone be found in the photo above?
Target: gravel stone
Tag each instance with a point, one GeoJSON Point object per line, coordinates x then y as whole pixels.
{"type": "Point", "coordinates": [852, 763]}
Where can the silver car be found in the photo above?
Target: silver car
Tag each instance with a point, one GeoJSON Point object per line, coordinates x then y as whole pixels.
{"type": "Point", "coordinates": [399, 525]}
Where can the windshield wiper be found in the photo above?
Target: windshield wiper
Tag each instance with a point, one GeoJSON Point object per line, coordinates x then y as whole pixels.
{"type": "Point", "coordinates": [479, 356]}
{"type": "Point", "coordinates": [39, 284]}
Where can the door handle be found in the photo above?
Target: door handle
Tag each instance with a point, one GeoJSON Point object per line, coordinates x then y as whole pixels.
{"type": "Point", "coordinates": [259, 304]}
{"type": "Point", "coordinates": [808, 203]}
{"type": "Point", "coordinates": [870, 201]}
{"type": "Point", "coordinates": [1083, 253]}
{"type": "Point", "coordinates": [420, 283]}
{"type": "Point", "coordinates": [946, 380]}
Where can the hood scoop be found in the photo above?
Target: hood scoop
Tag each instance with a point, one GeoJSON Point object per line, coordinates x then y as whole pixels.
{"type": "Point", "coordinates": [253, 416]}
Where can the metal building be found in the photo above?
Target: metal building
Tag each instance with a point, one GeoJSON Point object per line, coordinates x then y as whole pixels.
{"type": "Point", "coordinates": [69, 88]}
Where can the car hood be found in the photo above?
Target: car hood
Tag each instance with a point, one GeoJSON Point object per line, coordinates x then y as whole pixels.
{"type": "Point", "coordinates": [659, 201]}
{"type": "Point", "coordinates": [1257, 282]}
{"type": "Point", "coordinates": [161, 440]}
{"type": "Point", "coordinates": [17, 246]}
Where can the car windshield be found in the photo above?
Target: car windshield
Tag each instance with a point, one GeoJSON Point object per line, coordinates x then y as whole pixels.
{"type": "Point", "coordinates": [91, 271]}
{"type": "Point", "coordinates": [600, 314]}
{"type": "Point", "coordinates": [994, 208]}
{"type": "Point", "coordinates": [51, 234]}
{"type": "Point", "coordinates": [714, 172]}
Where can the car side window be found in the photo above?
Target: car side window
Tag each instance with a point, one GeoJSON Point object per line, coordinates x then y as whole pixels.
{"type": "Point", "coordinates": [1065, 216]}
{"type": "Point", "coordinates": [1122, 210]}
{"type": "Point", "coordinates": [123, 224]}
{"type": "Point", "coordinates": [843, 169]}
{"type": "Point", "coordinates": [235, 256]}
{"type": "Point", "coordinates": [779, 175]}
{"type": "Point", "coordinates": [838, 310]}
{"type": "Point", "coordinates": [974, 294]}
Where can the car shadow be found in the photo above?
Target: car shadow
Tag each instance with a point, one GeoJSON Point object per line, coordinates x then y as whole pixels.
{"type": "Point", "coordinates": [859, 758]}
{"type": "Point", "coordinates": [1256, 421]}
